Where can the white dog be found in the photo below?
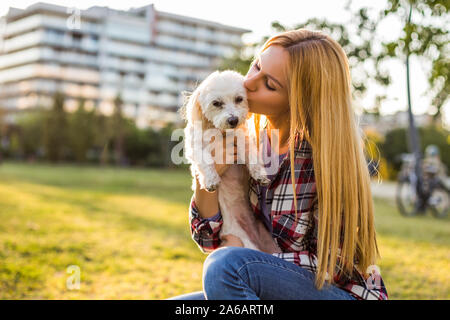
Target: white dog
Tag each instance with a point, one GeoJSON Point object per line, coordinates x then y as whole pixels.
{"type": "Point", "coordinates": [218, 105]}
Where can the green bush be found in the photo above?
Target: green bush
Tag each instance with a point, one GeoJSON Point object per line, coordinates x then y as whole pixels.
{"type": "Point", "coordinates": [85, 137]}
{"type": "Point", "coordinates": [396, 143]}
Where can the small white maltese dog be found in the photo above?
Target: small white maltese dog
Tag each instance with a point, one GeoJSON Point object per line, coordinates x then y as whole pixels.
{"type": "Point", "coordinates": [217, 106]}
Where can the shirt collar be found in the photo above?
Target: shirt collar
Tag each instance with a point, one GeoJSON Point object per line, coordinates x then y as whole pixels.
{"type": "Point", "coordinates": [302, 148]}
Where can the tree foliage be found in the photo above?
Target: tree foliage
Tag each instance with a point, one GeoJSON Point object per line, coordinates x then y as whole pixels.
{"type": "Point", "coordinates": [425, 35]}
{"type": "Point", "coordinates": [86, 137]}
{"type": "Point", "coordinates": [82, 131]}
{"type": "Point", "coordinates": [55, 130]}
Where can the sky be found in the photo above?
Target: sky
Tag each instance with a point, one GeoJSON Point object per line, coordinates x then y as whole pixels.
{"type": "Point", "coordinates": [257, 15]}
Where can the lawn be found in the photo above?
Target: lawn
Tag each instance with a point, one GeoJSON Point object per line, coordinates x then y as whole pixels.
{"type": "Point", "coordinates": [127, 230]}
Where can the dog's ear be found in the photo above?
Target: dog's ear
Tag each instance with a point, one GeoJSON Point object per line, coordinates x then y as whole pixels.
{"type": "Point", "coordinates": [182, 110]}
{"type": "Point", "coordinates": [191, 109]}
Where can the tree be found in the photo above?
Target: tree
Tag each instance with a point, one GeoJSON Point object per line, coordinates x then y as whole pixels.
{"type": "Point", "coordinates": [355, 38]}
{"type": "Point", "coordinates": [30, 128]}
{"type": "Point", "coordinates": [55, 131]}
{"type": "Point", "coordinates": [240, 61]}
{"type": "Point", "coordinates": [423, 35]}
{"type": "Point", "coordinates": [82, 131]}
{"type": "Point", "coordinates": [118, 125]}
{"type": "Point", "coordinates": [2, 132]}
{"type": "Point", "coordinates": [418, 38]}
{"type": "Point", "coordinates": [356, 42]}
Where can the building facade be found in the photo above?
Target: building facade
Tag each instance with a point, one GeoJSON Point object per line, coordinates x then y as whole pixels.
{"type": "Point", "coordinates": [146, 56]}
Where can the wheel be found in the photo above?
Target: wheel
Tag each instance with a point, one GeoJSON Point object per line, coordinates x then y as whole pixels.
{"type": "Point", "coordinates": [406, 198]}
{"type": "Point", "coordinates": [439, 202]}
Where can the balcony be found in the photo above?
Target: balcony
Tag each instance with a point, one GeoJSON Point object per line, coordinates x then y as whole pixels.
{"type": "Point", "coordinates": [24, 41]}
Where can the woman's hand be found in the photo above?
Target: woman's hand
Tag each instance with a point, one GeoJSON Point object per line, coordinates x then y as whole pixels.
{"type": "Point", "coordinates": [230, 240]}
{"type": "Point", "coordinates": [231, 150]}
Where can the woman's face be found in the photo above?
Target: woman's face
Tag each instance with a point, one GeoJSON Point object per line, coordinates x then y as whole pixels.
{"type": "Point", "coordinates": [266, 83]}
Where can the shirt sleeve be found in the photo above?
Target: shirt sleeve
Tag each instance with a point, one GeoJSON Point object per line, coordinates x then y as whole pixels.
{"type": "Point", "coordinates": [205, 231]}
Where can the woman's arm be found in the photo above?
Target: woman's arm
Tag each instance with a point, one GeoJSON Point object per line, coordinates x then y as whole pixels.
{"type": "Point", "coordinates": [204, 214]}
{"type": "Point", "coordinates": [208, 202]}
{"type": "Point", "coordinates": [204, 231]}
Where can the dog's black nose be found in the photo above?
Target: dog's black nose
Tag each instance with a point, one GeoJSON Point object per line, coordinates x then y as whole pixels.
{"type": "Point", "coordinates": [232, 121]}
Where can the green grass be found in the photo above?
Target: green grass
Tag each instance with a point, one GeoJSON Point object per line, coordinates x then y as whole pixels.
{"type": "Point", "coordinates": [128, 231]}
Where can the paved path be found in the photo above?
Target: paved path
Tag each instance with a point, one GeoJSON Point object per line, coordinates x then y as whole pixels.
{"type": "Point", "coordinates": [387, 189]}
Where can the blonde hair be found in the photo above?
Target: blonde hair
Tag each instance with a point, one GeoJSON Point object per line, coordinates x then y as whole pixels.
{"type": "Point", "coordinates": [321, 112]}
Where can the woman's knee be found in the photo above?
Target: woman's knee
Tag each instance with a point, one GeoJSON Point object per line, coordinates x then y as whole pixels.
{"type": "Point", "coordinates": [220, 265]}
{"type": "Point", "coordinates": [218, 261]}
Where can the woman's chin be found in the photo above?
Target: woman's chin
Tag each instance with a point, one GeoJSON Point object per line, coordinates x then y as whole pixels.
{"type": "Point", "coordinates": [252, 110]}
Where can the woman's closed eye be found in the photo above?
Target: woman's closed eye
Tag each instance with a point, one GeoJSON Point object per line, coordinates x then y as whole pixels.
{"type": "Point", "coordinates": [255, 65]}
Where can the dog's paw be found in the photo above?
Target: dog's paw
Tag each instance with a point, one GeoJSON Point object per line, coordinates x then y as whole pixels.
{"type": "Point", "coordinates": [211, 188]}
{"type": "Point", "coordinates": [263, 181]}
{"type": "Point", "coordinates": [212, 182]}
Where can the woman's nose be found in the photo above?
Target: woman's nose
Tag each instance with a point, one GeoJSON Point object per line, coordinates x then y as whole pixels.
{"type": "Point", "coordinates": [249, 83]}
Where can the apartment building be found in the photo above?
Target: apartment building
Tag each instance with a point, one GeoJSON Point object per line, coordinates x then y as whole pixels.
{"type": "Point", "coordinates": [147, 56]}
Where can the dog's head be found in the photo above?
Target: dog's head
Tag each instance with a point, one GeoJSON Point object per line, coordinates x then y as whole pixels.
{"type": "Point", "coordinates": [221, 99]}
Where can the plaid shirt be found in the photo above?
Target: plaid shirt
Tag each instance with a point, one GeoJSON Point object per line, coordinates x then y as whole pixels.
{"type": "Point", "coordinates": [296, 238]}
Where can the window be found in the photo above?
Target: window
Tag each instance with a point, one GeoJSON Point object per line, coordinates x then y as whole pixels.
{"type": "Point", "coordinates": [76, 37]}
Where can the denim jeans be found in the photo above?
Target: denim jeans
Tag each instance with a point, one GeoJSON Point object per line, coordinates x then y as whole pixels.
{"type": "Point", "coordinates": [235, 273]}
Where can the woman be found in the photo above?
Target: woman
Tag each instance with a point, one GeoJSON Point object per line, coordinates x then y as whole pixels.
{"type": "Point", "coordinates": [300, 83]}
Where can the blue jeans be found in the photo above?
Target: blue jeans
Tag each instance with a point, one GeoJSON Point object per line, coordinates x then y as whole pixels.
{"type": "Point", "coordinates": [235, 273]}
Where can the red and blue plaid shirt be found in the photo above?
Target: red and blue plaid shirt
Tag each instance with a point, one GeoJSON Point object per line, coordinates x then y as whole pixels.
{"type": "Point", "coordinates": [297, 238]}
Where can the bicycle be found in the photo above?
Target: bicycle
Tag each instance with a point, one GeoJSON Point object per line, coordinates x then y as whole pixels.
{"type": "Point", "coordinates": [433, 193]}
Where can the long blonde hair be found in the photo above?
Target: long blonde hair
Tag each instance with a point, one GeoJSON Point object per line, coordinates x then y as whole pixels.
{"type": "Point", "coordinates": [321, 112]}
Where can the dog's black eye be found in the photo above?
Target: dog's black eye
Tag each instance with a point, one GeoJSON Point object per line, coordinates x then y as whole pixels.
{"type": "Point", "coordinates": [217, 103]}
{"type": "Point", "coordinates": [238, 99]}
